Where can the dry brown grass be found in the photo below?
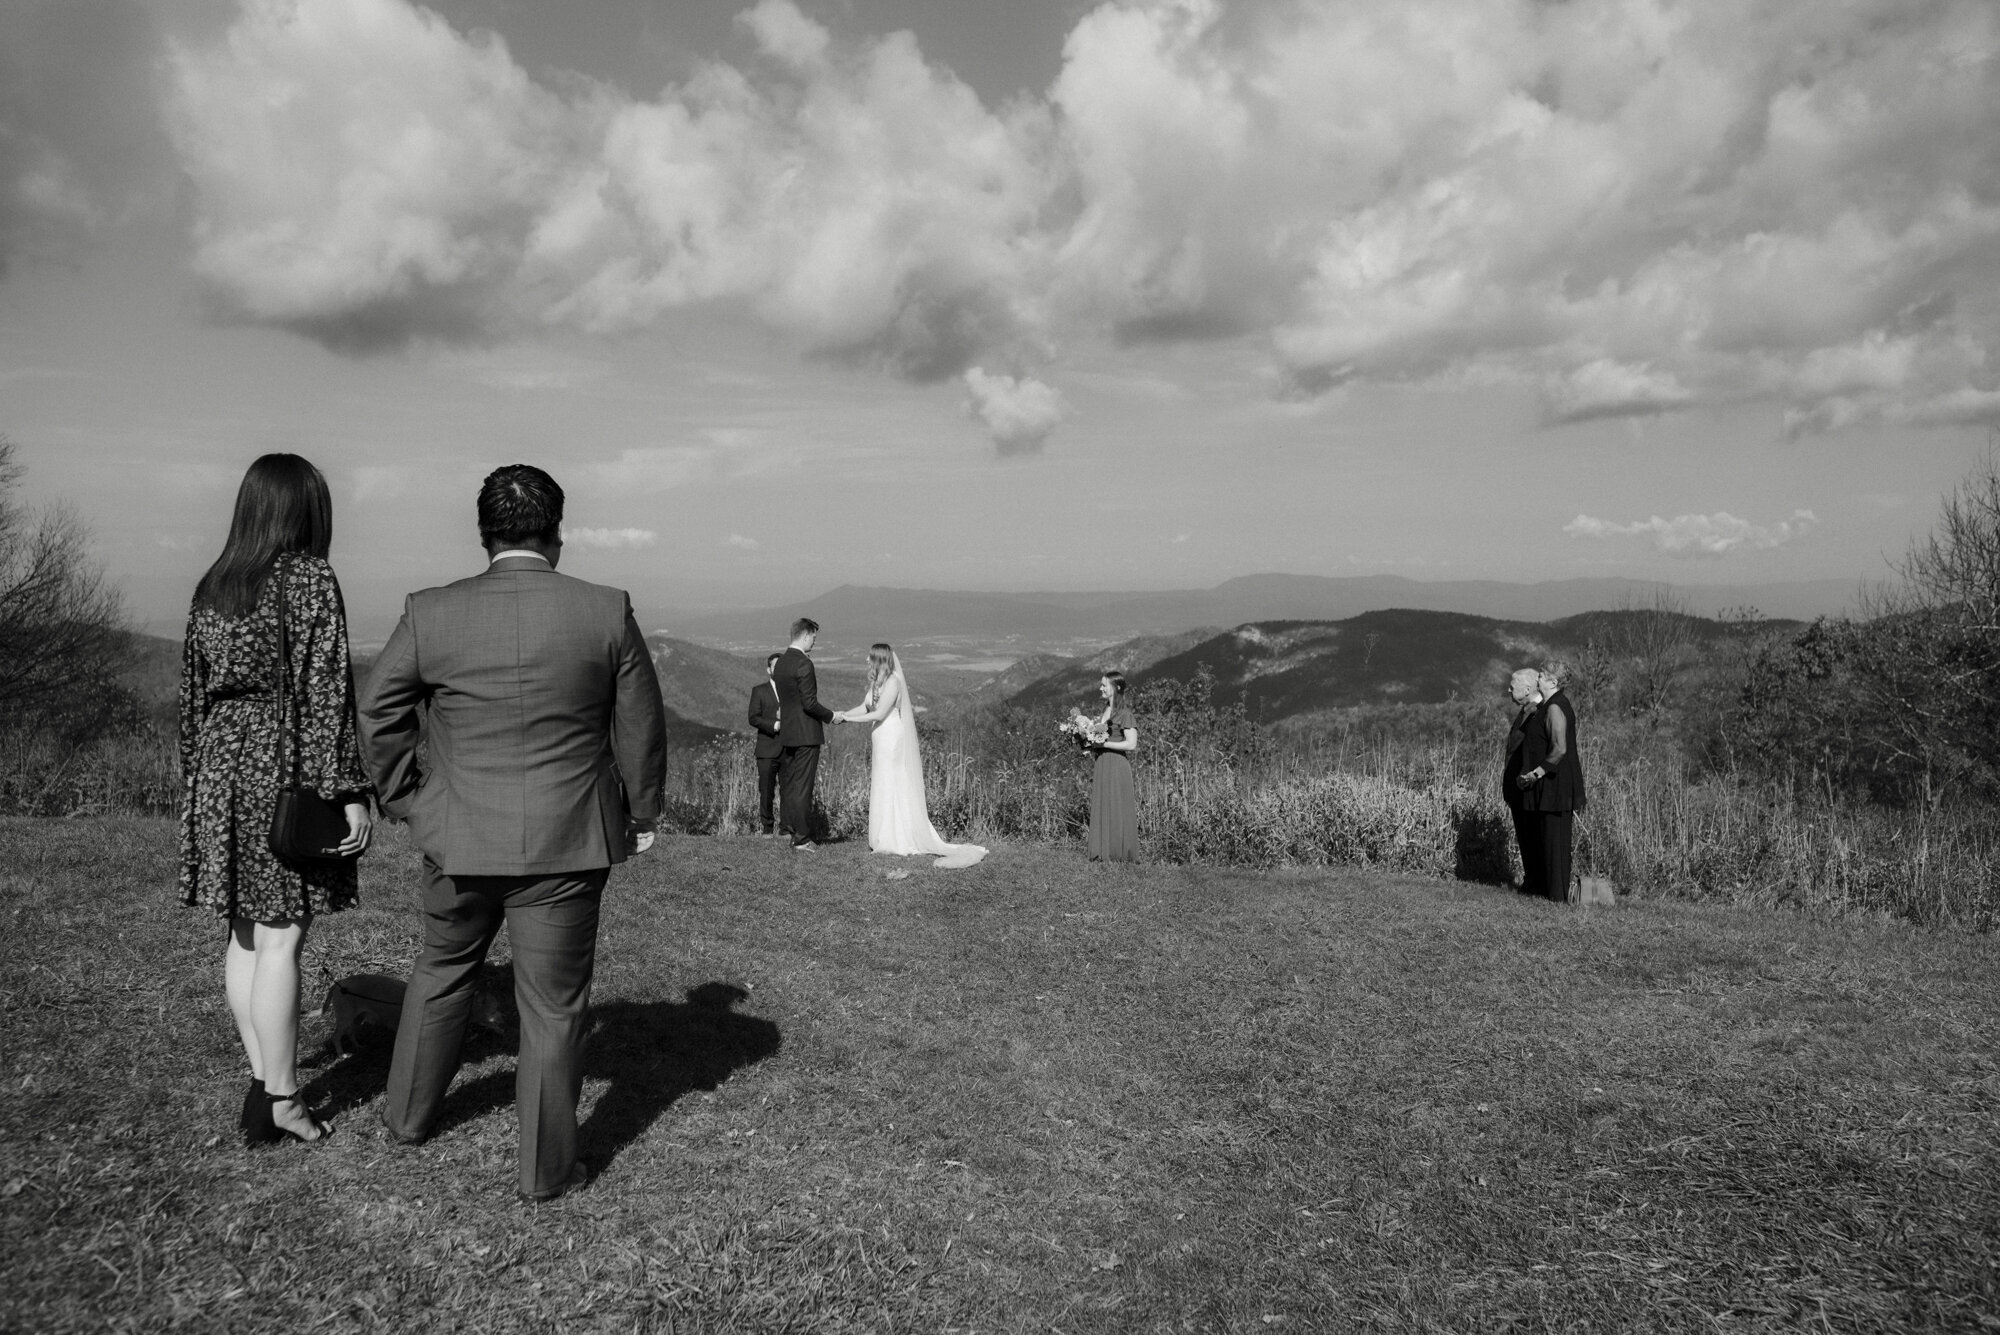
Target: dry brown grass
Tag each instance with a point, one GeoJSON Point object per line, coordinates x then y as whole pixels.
{"type": "Point", "coordinates": [1036, 1095]}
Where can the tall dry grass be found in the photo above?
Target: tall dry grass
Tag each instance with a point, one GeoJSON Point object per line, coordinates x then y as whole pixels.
{"type": "Point", "coordinates": [133, 774]}
{"type": "Point", "coordinates": [1416, 789]}
{"type": "Point", "coordinates": [1406, 788]}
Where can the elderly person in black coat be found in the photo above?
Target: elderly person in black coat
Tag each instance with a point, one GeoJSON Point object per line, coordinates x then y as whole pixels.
{"type": "Point", "coordinates": [1543, 782]}
{"type": "Point", "coordinates": [1523, 688]}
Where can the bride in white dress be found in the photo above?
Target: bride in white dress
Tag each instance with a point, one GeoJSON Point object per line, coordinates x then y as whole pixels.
{"type": "Point", "coordinates": [898, 815]}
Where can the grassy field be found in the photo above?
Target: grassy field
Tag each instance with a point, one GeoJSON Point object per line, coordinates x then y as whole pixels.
{"type": "Point", "coordinates": [1032, 1096]}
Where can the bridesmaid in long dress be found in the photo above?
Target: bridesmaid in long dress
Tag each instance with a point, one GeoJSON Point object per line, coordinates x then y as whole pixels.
{"type": "Point", "coordinates": [1114, 808]}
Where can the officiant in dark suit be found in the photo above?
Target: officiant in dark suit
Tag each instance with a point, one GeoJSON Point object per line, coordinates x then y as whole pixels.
{"type": "Point", "coordinates": [801, 730]}
{"type": "Point", "coordinates": [764, 716]}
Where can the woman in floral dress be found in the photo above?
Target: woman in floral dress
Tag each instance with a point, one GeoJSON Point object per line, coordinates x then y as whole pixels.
{"type": "Point", "coordinates": [273, 563]}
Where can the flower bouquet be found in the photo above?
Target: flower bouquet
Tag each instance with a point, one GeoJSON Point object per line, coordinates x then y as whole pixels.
{"type": "Point", "coordinates": [1087, 731]}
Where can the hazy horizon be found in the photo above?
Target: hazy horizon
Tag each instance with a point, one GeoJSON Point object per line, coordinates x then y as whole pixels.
{"type": "Point", "coordinates": [372, 618]}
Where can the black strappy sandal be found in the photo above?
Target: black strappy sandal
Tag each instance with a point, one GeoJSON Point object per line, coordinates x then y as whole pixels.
{"type": "Point", "coordinates": [270, 1130]}
{"type": "Point", "coordinates": [253, 1107]}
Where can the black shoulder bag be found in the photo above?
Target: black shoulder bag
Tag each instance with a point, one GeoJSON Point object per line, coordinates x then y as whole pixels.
{"type": "Point", "coordinates": [305, 827]}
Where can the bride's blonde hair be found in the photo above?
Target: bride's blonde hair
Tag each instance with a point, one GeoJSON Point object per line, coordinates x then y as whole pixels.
{"type": "Point", "coordinates": [881, 662]}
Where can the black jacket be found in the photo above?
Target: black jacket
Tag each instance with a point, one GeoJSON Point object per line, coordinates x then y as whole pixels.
{"type": "Point", "coordinates": [800, 712]}
{"type": "Point", "coordinates": [764, 718]}
{"type": "Point", "coordinates": [1561, 790]}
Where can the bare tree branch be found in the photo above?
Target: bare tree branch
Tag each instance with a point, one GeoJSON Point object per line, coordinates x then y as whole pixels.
{"type": "Point", "coordinates": [63, 639]}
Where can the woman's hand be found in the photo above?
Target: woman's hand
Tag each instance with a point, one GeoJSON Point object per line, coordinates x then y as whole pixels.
{"type": "Point", "coordinates": [360, 825]}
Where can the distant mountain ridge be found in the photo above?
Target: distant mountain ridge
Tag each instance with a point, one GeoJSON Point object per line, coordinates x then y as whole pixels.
{"type": "Point", "coordinates": [1283, 670]}
{"type": "Point", "coordinates": [711, 687]}
{"type": "Point", "coordinates": [910, 614]}
{"type": "Point", "coordinates": [1279, 669]}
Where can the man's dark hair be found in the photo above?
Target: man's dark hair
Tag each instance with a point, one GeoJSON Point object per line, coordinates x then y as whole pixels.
{"type": "Point", "coordinates": [519, 503]}
{"type": "Point", "coordinates": [804, 626]}
{"type": "Point", "coordinates": [771, 658]}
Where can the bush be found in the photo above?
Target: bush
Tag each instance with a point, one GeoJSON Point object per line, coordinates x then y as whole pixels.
{"type": "Point", "coordinates": [138, 773]}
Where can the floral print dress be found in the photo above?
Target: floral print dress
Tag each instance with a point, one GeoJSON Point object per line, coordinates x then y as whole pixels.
{"type": "Point", "coordinates": [229, 746]}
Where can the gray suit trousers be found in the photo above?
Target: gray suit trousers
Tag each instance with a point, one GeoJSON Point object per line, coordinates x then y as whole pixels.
{"type": "Point", "coordinates": [552, 926]}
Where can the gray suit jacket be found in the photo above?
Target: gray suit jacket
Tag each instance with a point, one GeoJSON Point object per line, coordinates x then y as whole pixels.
{"type": "Point", "coordinates": [540, 711]}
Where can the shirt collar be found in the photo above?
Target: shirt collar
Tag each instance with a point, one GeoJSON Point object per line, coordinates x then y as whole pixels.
{"type": "Point", "coordinates": [518, 551]}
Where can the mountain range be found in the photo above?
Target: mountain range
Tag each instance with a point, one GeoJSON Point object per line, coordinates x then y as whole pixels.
{"type": "Point", "coordinates": [1282, 671]}
{"type": "Point", "coordinates": [1074, 622]}
{"type": "Point", "coordinates": [1278, 669]}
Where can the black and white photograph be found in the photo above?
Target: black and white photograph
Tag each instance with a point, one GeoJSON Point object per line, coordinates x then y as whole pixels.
{"type": "Point", "coordinates": [988, 666]}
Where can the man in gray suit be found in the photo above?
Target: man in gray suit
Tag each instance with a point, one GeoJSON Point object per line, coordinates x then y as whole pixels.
{"type": "Point", "coordinates": [536, 697]}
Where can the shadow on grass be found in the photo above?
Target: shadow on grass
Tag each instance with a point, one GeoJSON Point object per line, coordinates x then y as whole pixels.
{"type": "Point", "coordinates": [650, 1052]}
{"type": "Point", "coordinates": [653, 1052]}
{"type": "Point", "coordinates": [357, 1079]}
{"type": "Point", "coordinates": [1482, 843]}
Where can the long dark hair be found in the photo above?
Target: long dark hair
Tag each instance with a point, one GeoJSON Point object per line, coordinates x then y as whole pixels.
{"type": "Point", "coordinates": [283, 506]}
{"type": "Point", "coordinates": [1118, 689]}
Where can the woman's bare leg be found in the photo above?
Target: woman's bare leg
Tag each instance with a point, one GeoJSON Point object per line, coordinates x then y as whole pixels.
{"type": "Point", "coordinates": [239, 976]}
{"type": "Point", "coordinates": [274, 1014]}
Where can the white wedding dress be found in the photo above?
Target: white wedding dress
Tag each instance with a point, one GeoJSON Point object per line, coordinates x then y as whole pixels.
{"type": "Point", "coordinates": [899, 818]}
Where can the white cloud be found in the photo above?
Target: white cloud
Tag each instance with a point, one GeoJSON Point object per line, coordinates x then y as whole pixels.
{"type": "Point", "coordinates": [1638, 205]}
{"type": "Point", "coordinates": [1699, 535]}
{"type": "Point", "coordinates": [1642, 206]}
{"type": "Point", "coordinates": [1018, 412]}
{"type": "Point", "coordinates": [1605, 388]}
{"type": "Point", "coordinates": [785, 34]}
{"type": "Point", "coordinates": [742, 543]}
{"type": "Point", "coordinates": [403, 181]}
{"type": "Point", "coordinates": [610, 537]}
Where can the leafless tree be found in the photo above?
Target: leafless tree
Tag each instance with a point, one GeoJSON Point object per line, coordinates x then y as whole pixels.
{"type": "Point", "coordinates": [1647, 650]}
{"type": "Point", "coordinates": [1956, 568]}
{"type": "Point", "coordinates": [62, 631]}
{"type": "Point", "coordinates": [1934, 676]}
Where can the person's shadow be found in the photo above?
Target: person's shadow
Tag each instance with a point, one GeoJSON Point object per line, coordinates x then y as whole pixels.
{"type": "Point", "coordinates": [1481, 843]}
{"type": "Point", "coordinates": [650, 1052]}
{"type": "Point", "coordinates": [653, 1052]}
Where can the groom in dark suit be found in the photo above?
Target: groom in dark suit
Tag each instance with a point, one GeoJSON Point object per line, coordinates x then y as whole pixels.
{"type": "Point", "coordinates": [546, 754]}
{"type": "Point", "coordinates": [799, 729]}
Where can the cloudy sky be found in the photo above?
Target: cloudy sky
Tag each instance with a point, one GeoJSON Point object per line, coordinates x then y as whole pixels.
{"type": "Point", "coordinates": [1044, 294]}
